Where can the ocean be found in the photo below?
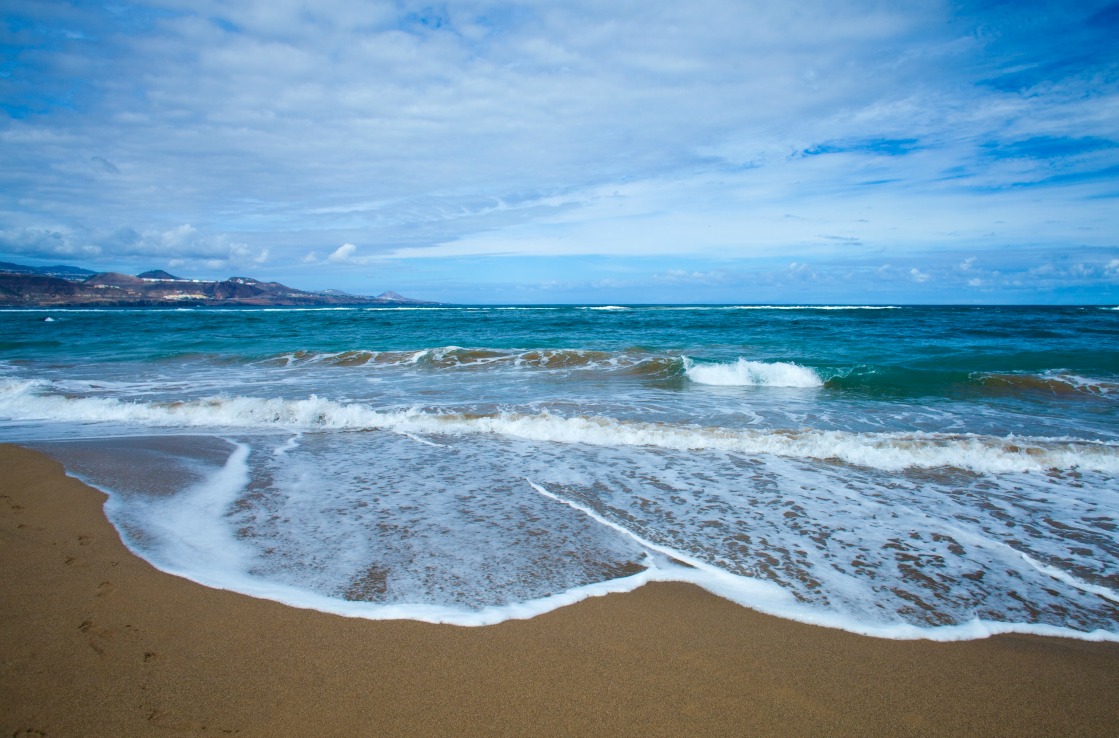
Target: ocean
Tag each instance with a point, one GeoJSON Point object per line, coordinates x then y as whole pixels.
{"type": "Point", "coordinates": [904, 472]}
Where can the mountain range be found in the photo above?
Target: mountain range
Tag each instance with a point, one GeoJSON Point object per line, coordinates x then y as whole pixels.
{"type": "Point", "coordinates": [63, 286]}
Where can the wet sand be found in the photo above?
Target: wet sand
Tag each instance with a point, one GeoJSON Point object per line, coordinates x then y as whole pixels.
{"type": "Point", "coordinates": [96, 642]}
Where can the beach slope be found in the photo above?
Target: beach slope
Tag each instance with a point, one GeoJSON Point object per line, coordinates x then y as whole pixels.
{"type": "Point", "coordinates": [97, 642]}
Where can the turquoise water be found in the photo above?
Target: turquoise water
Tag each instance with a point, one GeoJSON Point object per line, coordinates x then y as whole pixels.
{"type": "Point", "coordinates": [937, 472]}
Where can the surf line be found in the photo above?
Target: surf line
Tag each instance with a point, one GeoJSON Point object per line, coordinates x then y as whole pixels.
{"type": "Point", "coordinates": [424, 441]}
{"type": "Point", "coordinates": [1063, 576]}
{"type": "Point", "coordinates": [676, 556]}
{"type": "Point", "coordinates": [981, 541]}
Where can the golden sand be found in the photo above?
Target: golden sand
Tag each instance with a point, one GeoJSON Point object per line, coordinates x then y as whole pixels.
{"type": "Point", "coordinates": [96, 642]}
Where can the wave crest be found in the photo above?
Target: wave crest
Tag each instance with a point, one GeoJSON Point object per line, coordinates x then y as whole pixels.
{"type": "Point", "coordinates": [896, 451]}
{"type": "Point", "coordinates": [1058, 384]}
{"type": "Point", "coordinates": [457, 357]}
{"type": "Point", "coordinates": [745, 373]}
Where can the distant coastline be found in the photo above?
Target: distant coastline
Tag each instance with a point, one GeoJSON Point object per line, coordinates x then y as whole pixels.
{"type": "Point", "coordinates": [68, 286]}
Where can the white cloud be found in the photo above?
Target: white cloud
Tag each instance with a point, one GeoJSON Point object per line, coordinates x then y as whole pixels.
{"type": "Point", "coordinates": [60, 242]}
{"type": "Point", "coordinates": [182, 245]}
{"type": "Point", "coordinates": [245, 133]}
{"type": "Point", "coordinates": [347, 254]}
{"type": "Point", "coordinates": [343, 254]}
{"type": "Point", "coordinates": [684, 276]}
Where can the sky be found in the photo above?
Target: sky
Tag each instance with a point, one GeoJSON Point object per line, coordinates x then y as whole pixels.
{"type": "Point", "coordinates": [571, 151]}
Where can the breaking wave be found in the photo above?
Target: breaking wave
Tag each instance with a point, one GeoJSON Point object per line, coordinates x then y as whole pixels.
{"type": "Point", "coordinates": [740, 373]}
{"type": "Point", "coordinates": [1052, 383]}
{"type": "Point", "coordinates": [816, 307]}
{"type": "Point", "coordinates": [886, 451]}
{"type": "Point", "coordinates": [457, 357]}
{"type": "Point", "coordinates": [745, 373]}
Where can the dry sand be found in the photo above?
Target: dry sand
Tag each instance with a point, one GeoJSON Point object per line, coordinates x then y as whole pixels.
{"type": "Point", "coordinates": [95, 642]}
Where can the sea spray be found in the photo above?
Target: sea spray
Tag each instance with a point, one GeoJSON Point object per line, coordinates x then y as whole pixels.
{"type": "Point", "coordinates": [745, 373]}
{"type": "Point", "coordinates": [893, 451]}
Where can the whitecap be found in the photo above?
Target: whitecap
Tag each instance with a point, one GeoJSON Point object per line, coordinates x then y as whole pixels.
{"type": "Point", "coordinates": [745, 373]}
{"type": "Point", "coordinates": [22, 399]}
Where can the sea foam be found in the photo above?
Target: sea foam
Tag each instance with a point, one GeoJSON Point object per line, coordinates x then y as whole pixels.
{"type": "Point", "coordinates": [194, 538]}
{"type": "Point", "coordinates": [745, 373]}
{"type": "Point", "coordinates": [887, 451]}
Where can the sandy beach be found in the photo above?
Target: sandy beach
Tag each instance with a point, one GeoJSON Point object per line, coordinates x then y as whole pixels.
{"type": "Point", "coordinates": [97, 642]}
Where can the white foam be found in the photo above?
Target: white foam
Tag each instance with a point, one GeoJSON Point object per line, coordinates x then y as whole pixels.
{"type": "Point", "coordinates": [1069, 579]}
{"type": "Point", "coordinates": [13, 389]}
{"type": "Point", "coordinates": [70, 310]}
{"type": "Point", "coordinates": [427, 613]}
{"type": "Point", "coordinates": [188, 527]}
{"type": "Point", "coordinates": [771, 599]}
{"type": "Point", "coordinates": [743, 591]}
{"type": "Point", "coordinates": [558, 359]}
{"type": "Point", "coordinates": [816, 307]}
{"type": "Point", "coordinates": [887, 451]}
{"type": "Point", "coordinates": [1055, 379]}
{"type": "Point", "coordinates": [424, 441]}
{"type": "Point", "coordinates": [406, 309]}
{"type": "Point", "coordinates": [290, 444]}
{"type": "Point", "coordinates": [745, 373]}
{"type": "Point", "coordinates": [199, 546]}
{"type": "Point", "coordinates": [1087, 384]}
{"type": "Point", "coordinates": [756, 590]}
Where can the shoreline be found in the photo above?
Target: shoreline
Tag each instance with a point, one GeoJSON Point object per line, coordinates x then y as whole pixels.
{"type": "Point", "coordinates": [98, 642]}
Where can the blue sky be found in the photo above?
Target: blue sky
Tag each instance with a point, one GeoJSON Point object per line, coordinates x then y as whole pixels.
{"type": "Point", "coordinates": [518, 151]}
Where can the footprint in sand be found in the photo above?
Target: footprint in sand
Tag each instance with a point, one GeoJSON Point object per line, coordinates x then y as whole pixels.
{"type": "Point", "coordinates": [98, 636]}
